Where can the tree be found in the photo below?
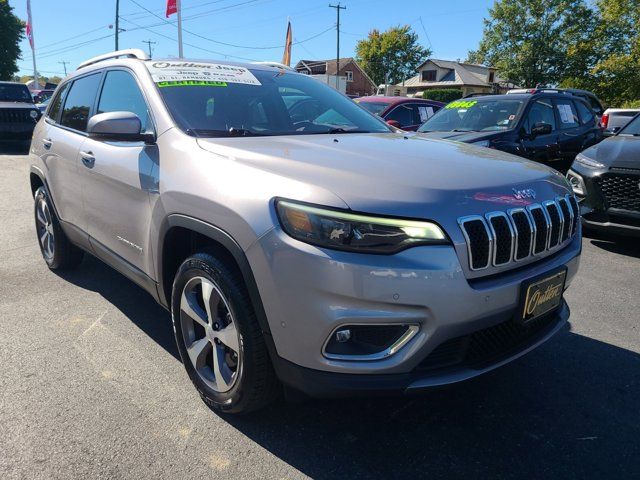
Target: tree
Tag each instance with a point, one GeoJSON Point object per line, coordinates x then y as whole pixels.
{"type": "Point", "coordinates": [528, 40]}
{"type": "Point", "coordinates": [395, 52]}
{"type": "Point", "coordinates": [11, 32]}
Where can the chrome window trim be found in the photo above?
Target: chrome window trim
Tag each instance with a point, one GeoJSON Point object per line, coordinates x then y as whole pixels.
{"type": "Point", "coordinates": [489, 216]}
{"type": "Point", "coordinates": [412, 330]}
{"type": "Point", "coordinates": [467, 219]}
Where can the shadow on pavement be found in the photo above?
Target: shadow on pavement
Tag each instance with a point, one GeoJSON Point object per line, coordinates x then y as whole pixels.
{"type": "Point", "coordinates": [570, 409]}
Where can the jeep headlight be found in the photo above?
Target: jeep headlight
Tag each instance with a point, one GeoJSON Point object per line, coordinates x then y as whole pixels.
{"type": "Point", "coordinates": [588, 162]}
{"type": "Point", "coordinates": [576, 182]}
{"type": "Point", "coordinates": [344, 230]}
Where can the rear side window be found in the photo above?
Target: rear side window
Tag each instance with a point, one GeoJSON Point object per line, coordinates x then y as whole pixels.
{"type": "Point", "coordinates": [53, 111]}
{"type": "Point", "coordinates": [595, 105]}
{"type": "Point", "coordinates": [567, 114]}
{"type": "Point", "coordinates": [77, 106]}
{"type": "Point", "coordinates": [586, 115]}
{"type": "Point", "coordinates": [120, 93]}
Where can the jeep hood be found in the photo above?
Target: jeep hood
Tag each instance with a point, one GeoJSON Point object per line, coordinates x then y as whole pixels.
{"type": "Point", "coordinates": [396, 174]}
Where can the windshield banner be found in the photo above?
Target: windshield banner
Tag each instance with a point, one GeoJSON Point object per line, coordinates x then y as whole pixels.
{"type": "Point", "coordinates": [197, 73]}
{"type": "Point", "coordinates": [462, 104]}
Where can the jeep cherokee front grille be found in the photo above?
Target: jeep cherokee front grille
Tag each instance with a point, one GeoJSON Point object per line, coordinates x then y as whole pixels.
{"type": "Point", "coordinates": [500, 238]}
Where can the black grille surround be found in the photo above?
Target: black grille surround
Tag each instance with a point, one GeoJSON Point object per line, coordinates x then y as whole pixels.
{"type": "Point", "coordinates": [501, 238]}
{"type": "Point", "coordinates": [17, 115]}
{"type": "Point", "coordinates": [621, 191]}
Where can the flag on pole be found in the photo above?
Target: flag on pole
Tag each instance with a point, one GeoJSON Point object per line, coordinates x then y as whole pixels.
{"type": "Point", "coordinates": [29, 24]}
{"type": "Point", "coordinates": [172, 7]}
{"type": "Point", "coordinates": [286, 56]}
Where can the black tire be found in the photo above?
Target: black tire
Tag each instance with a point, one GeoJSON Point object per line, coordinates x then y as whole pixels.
{"type": "Point", "coordinates": [60, 254]}
{"type": "Point", "coordinates": [255, 382]}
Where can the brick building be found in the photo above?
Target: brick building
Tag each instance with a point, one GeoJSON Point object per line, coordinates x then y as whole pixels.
{"type": "Point", "coordinates": [358, 82]}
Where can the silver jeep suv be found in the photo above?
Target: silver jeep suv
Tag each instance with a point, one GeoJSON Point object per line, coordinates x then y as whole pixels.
{"type": "Point", "coordinates": [296, 239]}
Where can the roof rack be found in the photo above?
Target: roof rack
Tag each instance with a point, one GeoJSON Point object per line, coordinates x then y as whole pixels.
{"type": "Point", "coordinates": [129, 53]}
{"type": "Point", "coordinates": [536, 90]}
{"type": "Point", "coordinates": [478, 94]}
{"type": "Point", "coordinates": [275, 65]}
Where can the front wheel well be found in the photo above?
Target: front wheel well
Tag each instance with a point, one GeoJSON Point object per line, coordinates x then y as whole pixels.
{"type": "Point", "coordinates": [36, 182]}
{"type": "Point", "coordinates": [180, 243]}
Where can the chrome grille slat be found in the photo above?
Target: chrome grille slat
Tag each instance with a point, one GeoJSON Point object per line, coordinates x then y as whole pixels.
{"type": "Point", "coordinates": [501, 238]}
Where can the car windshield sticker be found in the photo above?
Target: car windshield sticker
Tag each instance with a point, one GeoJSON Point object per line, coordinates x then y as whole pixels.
{"type": "Point", "coordinates": [170, 71]}
{"type": "Point", "coordinates": [462, 104]}
{"type": "Point", "coordinates": [190, 83]}
{"type": "Point", "coordinates": [566, 115]}
{"type": "Point", "coordinates": [425, 113]}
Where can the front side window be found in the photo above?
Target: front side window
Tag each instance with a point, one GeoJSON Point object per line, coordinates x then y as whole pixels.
{"type": "Point", "coordinates": [403, 114]}
{"type": "Point", "coordinates": [79, 101]}
{"type": "Point", "coordinates": [567, 114]}
{"type": "Point", "coordinates": [475, 116]}
{"type": "Point", "coordinates": [120, 93]}
{"type": "Point", "coordinates": [56, 104]}
{"type": "Point", "coordinates": [276, 103]}
{"type": "Point", "coordinates": [13, 92]}
{"type": "Point", "coordinates": [541, 111]}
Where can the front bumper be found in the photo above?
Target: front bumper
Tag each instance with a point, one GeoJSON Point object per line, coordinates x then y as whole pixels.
{"type": "Point", "coordinates": [308, 292]}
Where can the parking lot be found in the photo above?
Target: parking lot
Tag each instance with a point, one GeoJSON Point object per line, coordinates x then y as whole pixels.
{"type": "Point", "coordinates": [91, 385]}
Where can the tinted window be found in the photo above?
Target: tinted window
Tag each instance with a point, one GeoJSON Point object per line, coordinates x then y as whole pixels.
{"type": "Point", "coordinates": [79, 102]}
{"type": "Point", "coordinates": [279, 104]}
{"type": "Point", "coordinates": [12, 92]}
{"type": "Point", "coordinates": [595, 105]}
{"type": "Point", "coordinates": [373, 107]}
{"type": "Point", "coordinates": [541, 111]}
{"type": "Point", "coordinates": [586, 115]}
{"type": "Point", "coordinates": [567, 114]}
{"type": "Point", "coordinates": [403, 114]}
{"type": "Point", "coordinates": [56, 104]}
{"type": "Point", "coordinates": [475, 115]}
{"type": "Point", "coordinates": [120, 93]}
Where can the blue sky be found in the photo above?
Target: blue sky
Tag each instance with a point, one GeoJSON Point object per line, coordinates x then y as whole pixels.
{"type": "Point", "coordinates": [73, 30]}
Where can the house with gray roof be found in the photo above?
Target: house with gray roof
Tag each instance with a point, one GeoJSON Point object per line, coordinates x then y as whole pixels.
{"type": "Point", "coordinates": [468, 77]}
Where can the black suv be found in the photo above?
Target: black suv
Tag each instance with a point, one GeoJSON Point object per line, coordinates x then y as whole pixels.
{"type": "Point", "coordinates": [550, 127]}
{"type": "Point", "coordinates": [18, 114]}
{"type": "Point", "coordinates": [606, 179]}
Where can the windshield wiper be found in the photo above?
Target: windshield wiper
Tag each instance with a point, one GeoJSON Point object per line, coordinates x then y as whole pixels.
{"type": "Point", "coordinates": [463, 130]}
{"type": "Point", "coordinates": [232, 132]}
{"type": "Point", "coordinates": [342, 130]}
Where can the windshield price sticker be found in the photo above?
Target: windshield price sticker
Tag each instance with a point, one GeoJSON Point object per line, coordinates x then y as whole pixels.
{"type": "Point", "coordinates": [200, 72]}
{"type": "Point", "coordinates": [191, 83]}
{"type": "Point", "coordinates": [462, 104]}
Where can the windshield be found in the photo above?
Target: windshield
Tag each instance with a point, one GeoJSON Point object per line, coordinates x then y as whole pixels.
{"type": "Point", "coordinates": [475, 116]}
{"type": "Point", "coordinates": [374, 107]}
{"type": "Point", "coordinates": [14, 93]}
{"type": "Point", "coordinates": [632, 128]}
{"type": "Point", "coordinates": [207, 100]}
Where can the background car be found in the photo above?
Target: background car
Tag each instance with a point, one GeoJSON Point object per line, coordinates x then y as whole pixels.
{"type": "Point", "coordinates": [40, 96]}
{"type": "Point", "coordinates": [606, 179]}
{"type": "Point", "coordinates": [548, 127]}
{"type": "Point", "coordinates": [18, 114]}
{"type": "Point", "coordinates": [401, 112]}
{"type": "Point", "coordinates": [592, 100]}
{"type": "Point", "coordinates": [614, 119]}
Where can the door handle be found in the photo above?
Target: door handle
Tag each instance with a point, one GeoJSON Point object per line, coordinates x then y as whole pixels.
{"type": "Point", "coordinates": [46, 143]}
{"type": "Point", "coordinates": [88, 159]}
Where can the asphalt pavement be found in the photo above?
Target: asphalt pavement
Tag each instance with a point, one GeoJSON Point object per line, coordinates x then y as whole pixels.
{"type": "Point", "coordinates": [91, 386]}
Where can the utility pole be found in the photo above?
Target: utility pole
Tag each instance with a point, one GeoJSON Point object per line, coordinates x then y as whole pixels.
{"type": "Point", "coordinates": [64, 63]}
{"type": "Point", "coordinates": [117, 22]}
{"type": "Point", "coordinates": [338, 7]}
{"type": "Point", "coordinates": [149, 43]}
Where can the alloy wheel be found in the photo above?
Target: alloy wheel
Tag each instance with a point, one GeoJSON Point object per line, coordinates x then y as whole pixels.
{"type": "Point", "coordinates": [44, 225]}
{"type": "Point", "coordinates": [210, 334]}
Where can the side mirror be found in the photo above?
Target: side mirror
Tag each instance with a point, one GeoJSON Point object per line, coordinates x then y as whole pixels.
{"type": "Point", "coordinates": [118, 126]}
{"type": "Point", "coordinates": [394, 123]}
{"type": "Point", "coordinates": [541, 128]}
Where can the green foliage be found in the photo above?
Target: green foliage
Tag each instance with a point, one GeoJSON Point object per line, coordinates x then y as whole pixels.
{"type": "Point", "coordinates": [444, 95]}
{"type": "Point", "coordinates": [527, 40]}
{"type": "Point", "coordinates": [631, 104]}
{"type": "Point", "coordinates": [11, 32]}
{"type": "Point", "coordinates": [395, 52]}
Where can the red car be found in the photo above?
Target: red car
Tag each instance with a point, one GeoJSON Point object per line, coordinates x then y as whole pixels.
{"type": "Point", "coordinates": [401, 112]}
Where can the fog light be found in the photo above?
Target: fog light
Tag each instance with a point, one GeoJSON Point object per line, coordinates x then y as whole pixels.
{"type": "Point", "coordinates": [343, 336]}
{"type": "Point", "coordinates": [367, 342]}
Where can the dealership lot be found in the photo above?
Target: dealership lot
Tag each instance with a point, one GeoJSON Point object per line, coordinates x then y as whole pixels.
{"type": "Point", "coordinates": [91, 385]}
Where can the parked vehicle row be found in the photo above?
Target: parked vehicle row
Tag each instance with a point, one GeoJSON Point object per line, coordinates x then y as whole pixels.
{"type": "Point", "coordinates": [401, 112]}
{"type": "Point", "coordinates": [297, 239]}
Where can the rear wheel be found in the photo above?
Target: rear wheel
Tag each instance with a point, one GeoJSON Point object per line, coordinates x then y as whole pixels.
{"type": "Point", "coordinates": [218, 336]}
{"type": "Point", "coordinates": [56, 249]}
